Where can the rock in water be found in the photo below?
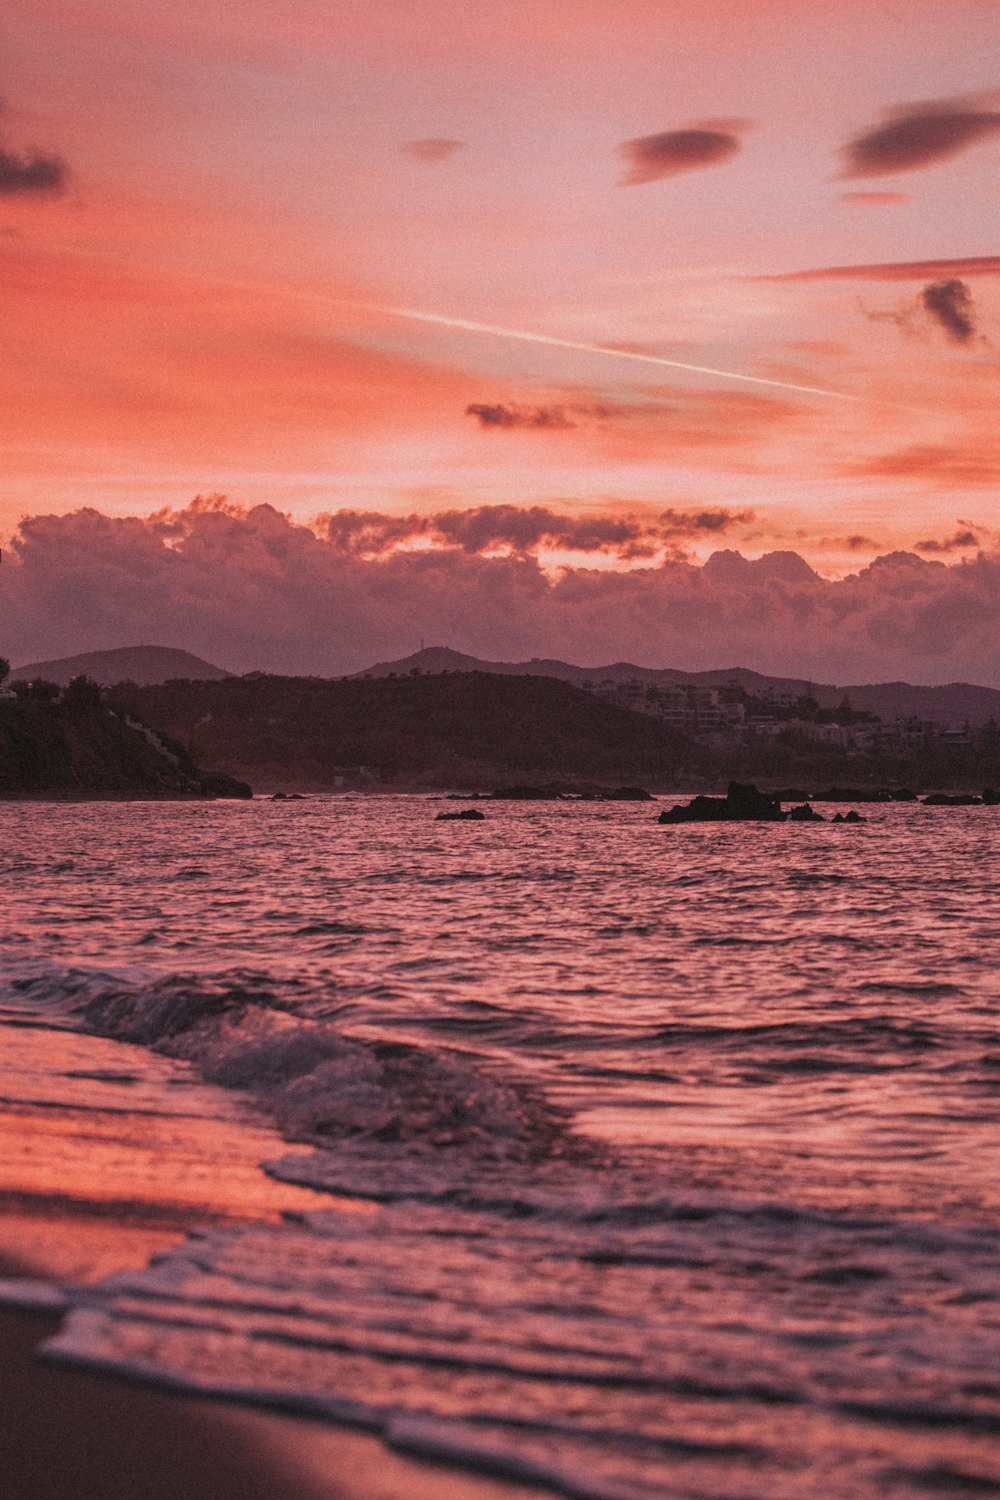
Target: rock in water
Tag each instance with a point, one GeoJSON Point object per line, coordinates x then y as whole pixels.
{"type": "Point", "coordinates": [742, 803]}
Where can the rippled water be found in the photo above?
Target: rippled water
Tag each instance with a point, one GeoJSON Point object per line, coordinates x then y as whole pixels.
{"type": "Point", "coordinates": [687, 1135]}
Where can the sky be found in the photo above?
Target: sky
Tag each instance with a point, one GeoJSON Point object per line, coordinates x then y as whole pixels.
{"type": "Point", "coordinates": [629, 289]}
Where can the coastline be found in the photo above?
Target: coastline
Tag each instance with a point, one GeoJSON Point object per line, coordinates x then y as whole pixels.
{"type": "Point", "coordinates": [82, 1195]}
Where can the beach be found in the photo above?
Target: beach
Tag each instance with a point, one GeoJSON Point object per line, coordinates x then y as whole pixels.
{"type": "Point", "coordinates": [84, 1194]}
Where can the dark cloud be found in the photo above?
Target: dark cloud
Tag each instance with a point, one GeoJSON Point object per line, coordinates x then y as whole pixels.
{"type": "Point", "coordinates": [949, 303]}
{"type": "Point", "coordinates": [553, 418]}
{"type": "Point", "coordinates": [902, 270]}
{"type": "Point", "coordinates": [253, 589]}
{"type": "Point", "coordinates": [918, 135]}
{"type": "Point", "coordinates": [652, 157]}
{"type": "Point", "coordinates": [435, 148]}
{"type": "Point", "coordinates": [31, 173]}
{"type": "Point", "coordinates": [966, 537]}
{"type": "Point", "coordinates": [525, 529]}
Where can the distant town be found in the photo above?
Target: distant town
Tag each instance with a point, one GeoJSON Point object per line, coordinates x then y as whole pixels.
{"type": "Point", "coordinates": [731, 715]}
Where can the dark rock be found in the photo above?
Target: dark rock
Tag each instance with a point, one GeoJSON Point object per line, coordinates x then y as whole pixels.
{"type": "Point", "coordinates": [849, 817]}
{"type": "Point", "coordinates": [467, 815]}
{"type": "Point", "coordinates": [947, 799]}
{"type": "Point", "coordinates": [219, 785]}
{"type": "Point", "coordinates": [805, 814]}
{"type": "Point", "coordinates": [903, 794]}
{"type": "Point", "coordinates": [991, 796]}
{"type": "Point", "coordinates": [741, 804]}
{"type": "Point", "coordinates": [629, 794]}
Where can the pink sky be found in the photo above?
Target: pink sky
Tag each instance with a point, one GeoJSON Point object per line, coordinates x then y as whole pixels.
{"type": "Point", "coordinates": [211, 217]}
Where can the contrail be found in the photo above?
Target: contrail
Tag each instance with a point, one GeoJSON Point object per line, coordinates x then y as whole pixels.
{"type": "Point", "coordinates": [556, 343]}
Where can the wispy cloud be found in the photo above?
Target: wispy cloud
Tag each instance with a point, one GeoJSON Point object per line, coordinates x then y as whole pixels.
{"type": "Point", "coordinates": [895, 270]}
{"type": "Point", "coordinates": [873, 199]}
{"type": "Point", "coordinates": [433, 149]}
{"type": "Point", "coordinates": [553, 418]}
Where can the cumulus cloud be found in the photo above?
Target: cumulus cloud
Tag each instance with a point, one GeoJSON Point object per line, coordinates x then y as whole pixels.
{"type": "Point", "coordinates": [31, 173]}
{"type": "Point", "coordinates": [919, 135]}
{"type": "Point", "coordinates": [652, 157]}
{"type": "Point", "coordinates": [433, 149]}
{"type": "Point", "coordinates": [253, 589]}
{"type": "Point", "coordinates": [949, 303]}
{"type": "Point", "coordinates": [898, 270]}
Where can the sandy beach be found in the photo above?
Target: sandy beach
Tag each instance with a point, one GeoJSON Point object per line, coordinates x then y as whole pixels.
{"type": "Point", "coordinates": [82, 1195]}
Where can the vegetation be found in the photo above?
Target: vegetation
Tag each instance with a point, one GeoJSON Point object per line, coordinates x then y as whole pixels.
{"type": "Point", "coordinates": [453, 729]}
{"type": "Point", "coordinates": [74, 744]}
{"type": "Point", "coordinates": [482, 730]}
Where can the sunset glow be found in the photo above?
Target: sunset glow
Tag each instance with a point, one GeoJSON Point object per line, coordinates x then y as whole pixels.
{"type": "Point", "coordinates": [741, 256]}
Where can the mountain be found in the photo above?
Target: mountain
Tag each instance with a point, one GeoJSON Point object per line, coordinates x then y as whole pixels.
{"type": "Point", "coordinates": [459, 729]}
{"type": "Point", "coordinates": [141, 664]}
{"type": "Point", "coordinates": [950, 703]}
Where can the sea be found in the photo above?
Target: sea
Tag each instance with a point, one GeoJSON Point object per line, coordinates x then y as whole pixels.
{"type": "Point", "coordinates": [679, 1146]}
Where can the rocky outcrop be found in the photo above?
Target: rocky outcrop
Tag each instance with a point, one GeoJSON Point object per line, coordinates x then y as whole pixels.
{"type": "Point", "coordinates": [467, 815]}
{"type": "Point", "coordinates": [742, 803]}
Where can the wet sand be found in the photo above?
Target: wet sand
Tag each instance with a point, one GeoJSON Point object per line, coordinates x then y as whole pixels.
{"type": "Point", "coordinates": [99, 1181]}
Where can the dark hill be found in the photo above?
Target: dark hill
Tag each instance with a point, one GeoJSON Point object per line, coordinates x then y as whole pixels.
{"type": "Point", "coordinates": [82, 749]}
{"type": "Point", "coordinates": [458, 729]}
{"type": "Point", "coordinates": [142, 664]}
{"type": "Point", "coordinates": [949, 703]}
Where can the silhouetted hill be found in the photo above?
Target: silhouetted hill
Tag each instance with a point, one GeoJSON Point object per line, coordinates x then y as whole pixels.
{"type": "Point", "coordinates": [951, 703]}
{"type": "Point", "coordinates": [142, 664]}
{"type": "Point", "coordinates": [82, 749]}
{"type": "Point", "coordinates": [461, 729]}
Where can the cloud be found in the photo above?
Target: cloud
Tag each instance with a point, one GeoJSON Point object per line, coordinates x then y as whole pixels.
{"type": "Point", "coordinates": [949, 303]}
{"type": "Point", "coordinates": [31, 174]}
{"type": "Point", "coordinates": [969, 465]}
{"type": "Point", "coordinates": [901, 270]}
{"type": "Point", "coordinates": [967, 536]}
{"type": "Point", "coordinates": [526, 530]}
{"type": "Point", "coordinates": [434, 149]}
{"type": "Point", "coordinates": [552, 418]}
{"type": "Point", "coordinates": [669, 423]}
{"type": "Point", "coordinates": [253, 589]}
{"type": "Point", "coordinates": [652, 157]}
{"type": "Point", "coordinates": [873, 200]}
{"type": "Point", "coordinates": [919, 135]}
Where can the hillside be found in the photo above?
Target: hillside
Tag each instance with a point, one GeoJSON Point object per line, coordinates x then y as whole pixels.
{"type": "Point", "coordinates": [142, 664]}
{"type": "Point", "coordinates": [950, 703]}
{"type": "Point", "coordinates": [461, 729]}
{"type": "Point", "coordinates": [82, 749]}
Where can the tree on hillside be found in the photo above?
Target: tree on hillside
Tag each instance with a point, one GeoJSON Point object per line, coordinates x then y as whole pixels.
{"type": "Point", "coordinates": [82, 692]}
{"type": "Point", "coordinates": [4, 670]}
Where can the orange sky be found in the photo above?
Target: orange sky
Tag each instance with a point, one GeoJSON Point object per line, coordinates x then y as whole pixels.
{"type": "Point", "coordinates": [207, 214]}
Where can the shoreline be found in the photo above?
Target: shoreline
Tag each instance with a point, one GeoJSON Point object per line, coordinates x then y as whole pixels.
{"type": "Point", "coordinates": [83, 1195]}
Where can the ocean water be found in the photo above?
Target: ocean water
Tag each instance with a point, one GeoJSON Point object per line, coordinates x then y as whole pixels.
{"type": "Point", "coordinates": [684, 1140]}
